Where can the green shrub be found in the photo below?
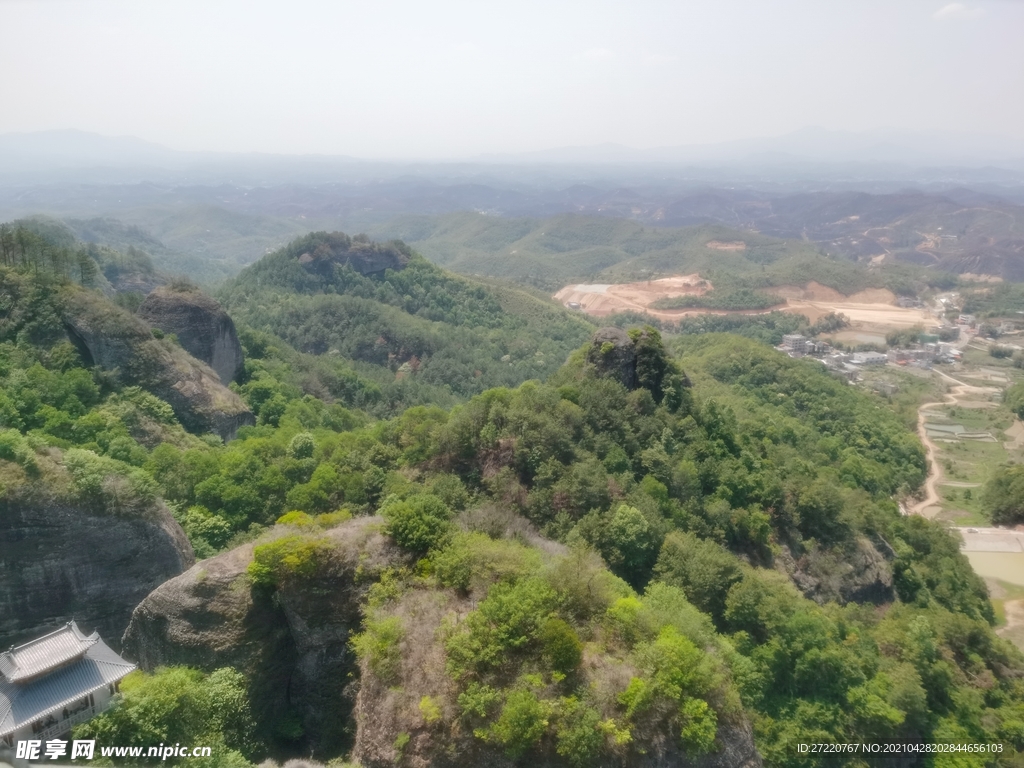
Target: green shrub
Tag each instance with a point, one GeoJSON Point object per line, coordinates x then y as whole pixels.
{"type": "Point", "coordinates": [561, 645]}
{"type": "Point", "coordinates": [699, 725]}
{"type": "Point", "coordinates": [578, 732]}
{"type": "Point", "coordinates": [523, 721]}
{"type": "Point", "coordinates": [15, 449]}
{"type": "Point", "coordinates": [419, 523]}
{"type": "Point", "coordinates": [297, 518]}
{"type": "Point", "coordinates": [675, 667]}
{"type": "Point", "coordinates": [474, 560]}
{"type": "Point", "coordinates": [203, 526]}
{"type": "Point", "coordinates": [478, 700]}
{"type": "Point", "coordinates": [430, 710]}
{"type": "Point", "coordinates": [704, 570]}
{"type": "Point", "coordinates": [505, 621]}
{"type": "Point", "coordinates": [108, 484]}
{"type": "Point", "coordinates": [178, 704]}
{"type": "Point", "coordinates": [401, 742]}
{"type": "Point", "coordinates": [287, 558]}
{"type": "Point", "coordinates": [379, 644]}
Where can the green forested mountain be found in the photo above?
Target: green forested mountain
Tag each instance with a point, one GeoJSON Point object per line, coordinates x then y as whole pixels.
{"type": "Point", "coordinates": [550, 253]}
{"type": "Point", "coordinates": [421, 333]}
{"type": "Point", "coordinates": [652, 551]}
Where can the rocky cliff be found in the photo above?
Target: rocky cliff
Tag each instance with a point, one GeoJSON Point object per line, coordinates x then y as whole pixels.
{"type": "Point", "coordinates": [637, 359]}
{"type": "Point", "coordinates": [203, 328]}
{"type": "Point", "coordinates": [292, 643]}
{"type": "Point", "coordinates": [314, 697]}
{"type": "Point", "coordinates": [60, 560]}
{"type": "Point", "coordinates": [115, 340]}
{"type": "Point", "coordinates": [861, 574]}
{"type": "Point", "coordinates": [365, 257]}
{"type": "Point", "coordinates": [613, 355]}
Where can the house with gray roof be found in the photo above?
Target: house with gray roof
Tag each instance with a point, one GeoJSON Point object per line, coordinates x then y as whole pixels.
{"type": "Point", "coordinates": [55, 682]}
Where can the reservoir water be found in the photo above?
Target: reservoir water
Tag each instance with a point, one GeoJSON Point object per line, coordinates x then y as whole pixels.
{"type": "Point", "coordinates": [1005, 566]}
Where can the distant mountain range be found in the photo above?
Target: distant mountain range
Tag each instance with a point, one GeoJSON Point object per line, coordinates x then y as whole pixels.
{"type": "Point", "coordinates": [808, 145]}
{"type": "Point", "coordinates": [70, 156]}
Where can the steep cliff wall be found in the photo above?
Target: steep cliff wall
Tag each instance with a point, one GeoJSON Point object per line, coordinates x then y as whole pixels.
{"type": "Point", "coordinates": [60, 560]}
{"type": "Point", "coordinates": [113, 339]}
{"type": "Point", "coordinates": [292, 643]}
{"type": "Point", "coordinates": [203, 328]}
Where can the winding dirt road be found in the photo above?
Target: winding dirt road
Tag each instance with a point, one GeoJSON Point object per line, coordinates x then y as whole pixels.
{"type": "Point", "coordinates": [952, 397]}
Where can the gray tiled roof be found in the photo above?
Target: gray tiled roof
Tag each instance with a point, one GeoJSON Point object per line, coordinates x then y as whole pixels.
{"type": "Point", "coordinates": [26, 702]}
{"type": "Point", "coordinates": [44, 653]}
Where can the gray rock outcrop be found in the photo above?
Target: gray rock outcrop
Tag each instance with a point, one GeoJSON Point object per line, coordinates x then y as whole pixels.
{"type": "Point", "coordinates": [292, 644]}
{"type": "Point", "coordinates": [612, 353]}
{"type": "Point", "coordinates": [60, 562]}
{"type": "Point", "coordinates": [861, 574]}
{"type": "Point", "coordinates": [359, 253]}
{"type": "Point", "coordinates": [203, 328]}
{"type": "Point", "coordinates": [117, 341]}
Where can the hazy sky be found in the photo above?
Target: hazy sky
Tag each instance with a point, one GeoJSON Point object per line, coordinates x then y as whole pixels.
{"type": "Point", "coordinates": [438, 78]}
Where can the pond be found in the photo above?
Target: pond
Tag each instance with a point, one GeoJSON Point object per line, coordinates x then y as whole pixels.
{"type": "Point", "coordinates": [1005, 566]}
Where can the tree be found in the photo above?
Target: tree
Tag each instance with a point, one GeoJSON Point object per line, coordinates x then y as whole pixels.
{"type": "Point", "coordinates": [1014, 399]}
{"type": "Point", "coordinates": [522, 722]}
{"type": "Point", "coordinates": [704, 570]}
{"type": "Point", "coordinates": [180, 705]}
{"type": "Point", "coordinates": [1003, 495]}
{"type": "Point", "coordinates": [418, 523]}
{"type": "Point", "coordinates": [631, 544]}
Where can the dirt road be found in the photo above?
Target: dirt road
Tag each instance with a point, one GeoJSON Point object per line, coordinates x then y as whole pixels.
{"type": "Point", "coordinates": [952, 397]}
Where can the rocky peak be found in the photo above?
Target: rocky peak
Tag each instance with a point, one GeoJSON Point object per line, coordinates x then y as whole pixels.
{"type": "Point", "coordinates": [613, 355]}
{"type": "Point", "coordinates": [292, 644]}
{"type": "Point", "coordinates": [637, 359]}
{"type": "Point", "coordinates": [362, 255]}
{"type": "Point", "coordinates": [116, 340]}
{"type": "Point", "coordinates": [203, 328]}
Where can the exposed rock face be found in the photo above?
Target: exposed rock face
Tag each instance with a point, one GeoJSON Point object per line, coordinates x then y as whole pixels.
{"type": "Point", "coordinates": [358, 252]}
{"type": "Point", "coordinates": [861, 575]}
{"type": "Point", "coordinates": [292, 644]}
{"type": "Point", "coordinates": [612, 353]}
{"type": "Point", "coordinates": [638, 359]}
{"type": "Point", "coordinates": [59, 562]}
{"type": "Point", "coordinates": [115, 340]}
{"type": "Point", "coordinates": [203, 328]}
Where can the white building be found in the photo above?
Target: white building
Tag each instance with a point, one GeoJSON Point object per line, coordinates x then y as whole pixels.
{"type": "Point", "coordinates": [795, 342]}
{"type": "Point", "coordinates": [869, 358]}
{"type": "Point", "coordinates": [55, 682]}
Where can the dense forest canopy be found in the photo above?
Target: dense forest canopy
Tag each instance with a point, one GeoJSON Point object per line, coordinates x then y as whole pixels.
{"type": "Point", "coordinates": [640, 548]}
{"type": "Point", "coordinates": [404, 323]}
{"type": "Point", "coordinates": [549, 253]}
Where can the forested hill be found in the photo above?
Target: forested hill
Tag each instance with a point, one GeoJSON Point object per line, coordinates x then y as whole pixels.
{"type": "Point", "coordinates": [420, 333]}
{"type": "Point", "coordinates": [760, 572]}
{"type": "Point", "coordinates": [636, 552]}
{"type": "Point", "coordinates": [552, 252]}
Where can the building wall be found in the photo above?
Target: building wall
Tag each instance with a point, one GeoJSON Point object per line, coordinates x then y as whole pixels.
{"type": "Point", "coordinates": [100, 702]}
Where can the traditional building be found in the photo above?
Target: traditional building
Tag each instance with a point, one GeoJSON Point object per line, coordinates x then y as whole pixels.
{"type": "Point", "coordinates": [55, 682]}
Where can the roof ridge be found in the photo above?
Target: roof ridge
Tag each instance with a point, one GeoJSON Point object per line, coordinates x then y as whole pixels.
{"type": "Point", "coordinates": [23, 661]}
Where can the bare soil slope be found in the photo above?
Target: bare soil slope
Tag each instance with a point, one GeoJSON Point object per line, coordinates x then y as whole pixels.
{"type": "Point", "coordinates": [868, 310]}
